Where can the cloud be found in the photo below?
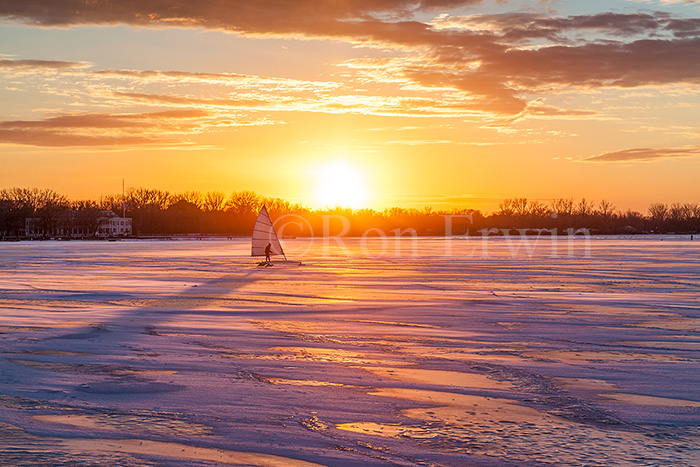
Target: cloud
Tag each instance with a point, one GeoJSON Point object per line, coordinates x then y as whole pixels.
{"type": "Point", "coordinates": [50, 139]}
{"type": "Point", "coordinates": [101, 129]}
{"type": "Point", "coordinates": [10, 64]}
{"type": "Point", "coordinates": [639, 63]}
{"type": "Point", "coordinates": [539, 110]}
{"type": "Point", "coordinates": [495, 62]}
{"type": "Point", "coordinates": [230, 79]}
{"type": "Point", "coordinates": [523, 26]}
{"type": "Point", "coordinates": [492, 77]}
{"type": "Point", "coordinates": [103, 120]}
{"type": "Point", "coordinates": [193, 101]}
{"type": "Point", "coordinates": [416, 142]}
{"type": "Point", "coordinates": [494, 58]}
{"type": "Point", "coordinates": [645, 154]}
{"type": "Point", "coordinates": [232, 100]}
{"type": "Point", "coordinates": [278, 17]}
{"type": "Point", "coordinates": [358, 103]}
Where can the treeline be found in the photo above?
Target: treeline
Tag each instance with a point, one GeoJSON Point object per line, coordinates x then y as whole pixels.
{"type": "Point", "coordinates": [158, 212]}
{"type": "Point", "coordinates": [601, 217]}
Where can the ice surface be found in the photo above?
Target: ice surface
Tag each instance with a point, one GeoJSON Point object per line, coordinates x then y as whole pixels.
{"type": "Point", "coordinates": [427, 352]}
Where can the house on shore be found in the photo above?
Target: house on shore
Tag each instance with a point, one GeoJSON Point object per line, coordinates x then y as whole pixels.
{"type": "Point", "coordinates": [79, 225]}
{"type": "Point", "coordinates": [111, 225]}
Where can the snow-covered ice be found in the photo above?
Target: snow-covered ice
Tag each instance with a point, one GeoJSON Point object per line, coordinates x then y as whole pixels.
{"type": "Point", "coordinates": [428, 352]}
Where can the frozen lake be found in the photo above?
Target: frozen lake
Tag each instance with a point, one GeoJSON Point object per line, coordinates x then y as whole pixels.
{"type": "Point", "coordinates": [434, 352]}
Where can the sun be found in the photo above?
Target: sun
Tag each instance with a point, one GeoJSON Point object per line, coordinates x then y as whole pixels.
{"type": "Point", "coordinates": [339, 183]}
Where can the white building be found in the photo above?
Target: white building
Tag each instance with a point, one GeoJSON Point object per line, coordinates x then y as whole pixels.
{"type": "Point", "coordinates": [107, 225]}
{"type": "Point", "coordinates": [111, 225]}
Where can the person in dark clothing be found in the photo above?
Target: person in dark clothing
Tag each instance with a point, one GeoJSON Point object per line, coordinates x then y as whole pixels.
{"type": "Point", "coordinates": [268, 250]}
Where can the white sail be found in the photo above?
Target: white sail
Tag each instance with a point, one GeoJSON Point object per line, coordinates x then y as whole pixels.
{"type": "Point", "coordinates": [264, 234]}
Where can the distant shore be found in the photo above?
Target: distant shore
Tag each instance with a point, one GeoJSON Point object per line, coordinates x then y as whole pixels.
{"type": "Point", "coordinates": [500, 233]}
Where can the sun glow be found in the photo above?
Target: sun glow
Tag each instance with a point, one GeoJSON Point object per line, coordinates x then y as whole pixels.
{"type": "Point", "coordinates": [340, 184]}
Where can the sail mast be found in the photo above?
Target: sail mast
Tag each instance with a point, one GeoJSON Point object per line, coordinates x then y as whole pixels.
{"type": "Point", "coordinates": [123, 201]}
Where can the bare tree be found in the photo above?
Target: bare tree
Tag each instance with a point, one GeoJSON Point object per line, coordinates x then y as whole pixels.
{"type": "Point", "coordinates": [563, 206]}
{"type": "Point", "coordinates": [85, 216]}
{"type": "Point", "coordinates": [658, 212]}
{"type": "Point", "coordinates": [278, 206]}
{"type": "Point", "coordinates": [538, 209]}
{"type": "Point", "coordinates": [114, 203]}
{"type": "Point", "coordinates": [192, 197]}
{"type": "Point", "coordinates": [520, 206]}
{"type": "Point", "coordinates": [678, 212]}
{"type": "Point", "coordinates": [402, 213]}
{"type": "Point", "coordinates": [141, 197]}
{"type": "Point", "coordinates": [505, 207]}
{"type": "Point", "coordinates": [606, 208]}
{"type": "Point", "coordinates": [18, 205]}
{"type": "Point", "coordinates": [52, 211]}
{"type": "Point", "coordinates": [213, 201]}
{"type": "Point", "coordinates": [584, 208]}
{"type": "Point", "coordinates": [243, 203]}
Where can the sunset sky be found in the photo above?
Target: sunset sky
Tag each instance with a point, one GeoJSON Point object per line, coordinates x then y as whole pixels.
{"type": "Point", "coordinates": [396, 103]}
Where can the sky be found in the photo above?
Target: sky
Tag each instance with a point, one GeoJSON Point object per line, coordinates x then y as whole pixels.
{"type": "Point", "coordinates": [369, 103]}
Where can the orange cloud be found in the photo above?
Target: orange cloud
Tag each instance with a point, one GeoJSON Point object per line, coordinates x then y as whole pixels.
{"type": "Point", "coordinates": [231, 79]}
{"type": "Point", "coordinates": [286, 16]}
{"type": "Point", "coordinates": [10, 64]}
{"type": "Point", "coordinates": [102, 120]}
{"type": "Point", "coordinates": [539, 110]}
{"type": "Point", "coordinates": [639, 63]}
{"type": "Point", "coordinates": [114, 129]}
{"type": "Point", "coordinates": [497, 62]}
{"type": "Point", "coordinates": [646, 154]}
{"type": "Point", "coordinates": [191, 101]}
{"type": "Point", "coordinates": [52, 139]}
{"type": "Point", "coordinates": [440, 106]}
